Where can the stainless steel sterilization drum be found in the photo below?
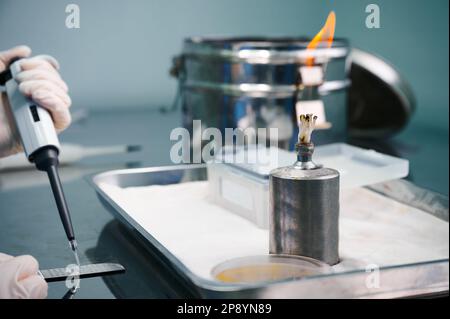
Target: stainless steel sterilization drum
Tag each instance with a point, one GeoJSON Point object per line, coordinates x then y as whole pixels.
{"type": "Point", "coordinates": [231, 82]}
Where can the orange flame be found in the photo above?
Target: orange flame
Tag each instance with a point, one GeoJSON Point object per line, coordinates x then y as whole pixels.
{"type": "Point", "coordinates": [325, 35]}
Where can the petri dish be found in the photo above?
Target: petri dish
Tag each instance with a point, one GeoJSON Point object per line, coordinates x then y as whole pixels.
{"type": "Point", "coordinates": [268, 268]}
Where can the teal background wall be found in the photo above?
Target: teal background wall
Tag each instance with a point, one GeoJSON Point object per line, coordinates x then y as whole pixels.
{"type": "Point", "coordinates": [122, 52]}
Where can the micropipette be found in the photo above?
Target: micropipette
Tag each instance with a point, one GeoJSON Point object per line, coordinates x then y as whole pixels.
{"type": "Point", "coordinates": [35, 127]}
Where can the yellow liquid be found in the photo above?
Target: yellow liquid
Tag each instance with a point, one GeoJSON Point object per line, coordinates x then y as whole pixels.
{"type": "Point", "coordinates": [261, 273]}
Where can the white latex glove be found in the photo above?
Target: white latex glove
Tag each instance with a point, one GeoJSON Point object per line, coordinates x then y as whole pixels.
{"type": "Point", "coordinates": [40, 81]}
{"type": "Point", "coordinates": [19, 278]}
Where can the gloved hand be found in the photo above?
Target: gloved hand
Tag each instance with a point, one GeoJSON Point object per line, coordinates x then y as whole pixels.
{"type": "Point", "coordinates": [40, 81]}
{"type": "Point", "coordinates": [19, 278]}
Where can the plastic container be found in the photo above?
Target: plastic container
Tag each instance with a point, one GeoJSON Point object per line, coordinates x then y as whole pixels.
{"type": "Point", "coordinates": [360, 167]}
{"type": "Point", "coordinates": [243, 188]}
{"type": "Point", "coordinates": [268, 268]}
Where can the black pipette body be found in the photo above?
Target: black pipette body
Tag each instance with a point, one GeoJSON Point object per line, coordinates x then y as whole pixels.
{"type": "Point", "coordinates": [46, 159]}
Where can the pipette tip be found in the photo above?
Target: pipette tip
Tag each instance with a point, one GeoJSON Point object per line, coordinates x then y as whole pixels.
{"type": "Point", "coordinates": [73, 244]}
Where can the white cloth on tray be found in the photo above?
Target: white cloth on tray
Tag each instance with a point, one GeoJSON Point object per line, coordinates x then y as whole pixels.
{"type": "Point", "coordinates": [373, 229]}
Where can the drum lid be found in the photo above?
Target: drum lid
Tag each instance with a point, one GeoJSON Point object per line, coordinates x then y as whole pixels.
{"type": "Point", "coordinates": [381, 101]}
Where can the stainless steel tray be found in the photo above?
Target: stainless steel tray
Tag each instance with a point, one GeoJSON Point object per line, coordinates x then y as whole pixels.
{"type": "Point", "coordinates": [397, 281]}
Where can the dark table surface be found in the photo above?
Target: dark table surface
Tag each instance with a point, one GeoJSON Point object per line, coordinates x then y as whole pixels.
{"type": "Point", "coordinates": [29, 222]}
